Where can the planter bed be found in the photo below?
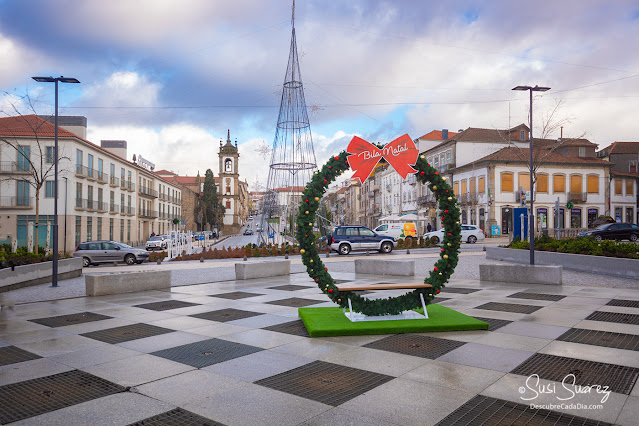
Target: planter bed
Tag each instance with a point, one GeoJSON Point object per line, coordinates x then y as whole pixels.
{"type": "Point", "coordinates": [618, 267]}
{"type": "Point", "coordinates": [38, 273]}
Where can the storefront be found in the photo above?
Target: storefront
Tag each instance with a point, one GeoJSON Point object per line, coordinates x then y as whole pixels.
{"type": "Point", "coordinates": [559, 219]}
{"type": "Point", "coordinates": [575, 218]}
{"type": "Point", "coordinates": [593, 214]}
{"type": "Point", "coordinates": [506, 220]}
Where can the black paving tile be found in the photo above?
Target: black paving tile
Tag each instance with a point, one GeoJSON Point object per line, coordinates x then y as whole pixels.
{"type": "Point", "coordinates": [177, 417]}
{"type": "Point", "coordinates": [624, 303]}
{"type": "Point", "coordinates": [537, 296]}
{"type": "Point", "coordinates": [225, 315]}
{"type": "Point", "coordinates": [460, 290]}
{"type": "Point", "coordinates": [236, 295]}
{"type": "Point", "coordinates": [325, 382]}
{"type": "Point", "coordinates": [296, 302]}
{"type": "Point", "coordinates": [509, 307]}
{"type": "Point", "coordinates": [296, 328]}
{"type": "Point", "coordinates": [601, 338]}
{"type": "Point", "coordinates": [127, 333]}
{"type": "Point", "coordinates": [206, 352]}
{"type": "Point", "coordinates": [71, 319]}
{"type": "Point", "coordinates": [615, 317]}
{"type": "Point", "coordinates": [12, 355]}
{"type": "Point", "coordinates": [290, 287]}
{"type": "Point", "coordinates": [416, 345]}
{"type": "Point", "coordinates": [493, 323]}
{"type": "Point", "coordinates": [166, 305]}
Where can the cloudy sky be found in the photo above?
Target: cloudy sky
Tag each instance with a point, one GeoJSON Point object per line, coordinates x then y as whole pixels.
{"type": "Point", "coordinates": [171, 76]}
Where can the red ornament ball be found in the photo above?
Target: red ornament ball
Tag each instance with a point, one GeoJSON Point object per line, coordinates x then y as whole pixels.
{"type": "Point", "coordinates": [422, 173]}
{"type": "Point", "coordinates": [437, 173]}
{"type": "Point", "coordinates": [330, 290]}
{"type": "Point", "coordinates": [437, 291]}
{"type": "Point", "coordinates": [325, 268]}
{"type": "Point", "coordinates": [325, 181]}
{"type": "Point", "coordinates": [306, 235]}
{"type": "Point", "coordinates": [445, 211]}
{"type": "Point", "coordinates": [337, 157]}
{"type": "Point", "coordinates": [316, 280]}
{"type": "Point", "coordinates": [307, 201]}
{"type": "Point", "coordinates": [449, 234]}
{"type": "Point", "coordinates": [442, 250]}
{"type": "Point", "coordinates": [435, 268]}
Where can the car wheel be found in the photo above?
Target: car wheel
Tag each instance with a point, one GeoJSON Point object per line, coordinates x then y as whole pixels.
{"type": "Point", "coordinates": [633, 238]}
{"type": "Point", "coordinates": [434, 240]}
{"type": "Point", "coordinates": [129, 259]}
{"type": "Point", "coordinates": [472, 239]}
{"type": "Point", "coordinates": [598, 238]}
{"type": "Point", "coordinates": [86, 262]}
{"type": "Point", "coordinates": [387, 247]}
{"type": "Point", "coordinates": [344, 249]}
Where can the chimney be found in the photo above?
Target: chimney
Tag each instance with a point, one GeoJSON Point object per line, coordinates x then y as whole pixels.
{"type": "Point", "coordinates": [117, 147]}
{"type": "Point", "coordinates": [445, 134]}
{"type": "Point", "coordinates": [75, 124]}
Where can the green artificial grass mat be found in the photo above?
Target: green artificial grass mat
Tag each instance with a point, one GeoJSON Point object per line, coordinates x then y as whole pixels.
{"type": "Point", "coordinates": [324, 322]}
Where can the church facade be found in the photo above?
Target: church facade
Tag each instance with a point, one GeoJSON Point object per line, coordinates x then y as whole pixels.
{"type": "Point", "coordinates": [233, 193]}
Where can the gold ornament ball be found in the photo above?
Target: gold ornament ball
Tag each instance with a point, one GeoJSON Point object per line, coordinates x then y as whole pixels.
{"type": "Point", "coordinates": [339, 300]}
{"type": "Point", "coordinates": [306, 212]}
{"type": "Point", "coordinates": [457, 222]}
{"type": "Point", "coordinates": [316, 198]}
{"type": "Point", "coordinates": [302, 251]}
{"type": "Point", "coordinates": [445, 256]}
{"type": "Point", "coordinates": [435, 187]}
{"type": "Point", "coordinates": [311, 260]}
{"type": "Point", "coordinates": [440, 273]}
{"type": "Point", "coordinates": [450, 198]}
{"type": "Point", "coordinates": [310, 224]}
{"type": "Point", "coordinates": [422, 156]}
{"type": "Point", "coordinates": [430, 295]}
{"type": "Point", "coordinates": [448, 244]}
{"type": "Point", "coordinates": [315, 173]}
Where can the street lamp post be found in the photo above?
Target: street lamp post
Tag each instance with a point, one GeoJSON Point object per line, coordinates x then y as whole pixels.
{"type": "Point", "coordinates": [531, 217]}
{"type": "Point", "coordinates": [54, 276]}
{"type": "Point", "coordinates": [66, 202]}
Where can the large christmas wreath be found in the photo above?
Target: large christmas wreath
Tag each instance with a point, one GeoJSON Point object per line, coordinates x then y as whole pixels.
{"type": "Point", "coordinates": [441, 272]}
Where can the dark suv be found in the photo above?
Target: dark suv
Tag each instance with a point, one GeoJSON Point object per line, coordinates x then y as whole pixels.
{"type": "Point", "coordinates": [614, 231]}
{"type": "Point", "coordinates": [347, 238]}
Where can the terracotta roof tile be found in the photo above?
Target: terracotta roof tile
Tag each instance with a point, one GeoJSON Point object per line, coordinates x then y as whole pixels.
{"type": "Point", "coordinates": [624, 148]}
{"type": "Point", "coordinates": [436, 135]}
{"type": "Point", "coordinates": [515, 155]}
{"type": "Point", "coordinates": [31, 125]}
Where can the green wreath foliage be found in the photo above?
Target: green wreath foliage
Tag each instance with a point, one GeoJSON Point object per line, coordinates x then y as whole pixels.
{"type": "Point", "coordinates": [439, 276]}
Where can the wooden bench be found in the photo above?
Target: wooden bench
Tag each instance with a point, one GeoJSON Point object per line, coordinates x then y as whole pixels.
{"type": "Point", "coordinates": [387, 286]}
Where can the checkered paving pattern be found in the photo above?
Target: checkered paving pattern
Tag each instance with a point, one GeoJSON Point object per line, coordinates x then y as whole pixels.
{"type": "Point", "coordinates": [258, 356]}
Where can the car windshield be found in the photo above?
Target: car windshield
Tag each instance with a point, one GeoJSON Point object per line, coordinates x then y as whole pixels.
{"type": "Point", "coordinates": [605, 226]}
{"type": "Point", "coordinates": [123, 245]}
{"type": "Point", "coordinates": [155, 239]}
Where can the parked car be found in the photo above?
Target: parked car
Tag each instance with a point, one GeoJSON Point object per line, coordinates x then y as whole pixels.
{"type": "Point", "coordinates": [405, 230]}
{"type": "Point", "coordinates": [614, 231]}
{"type": "Point", "coordinates": [248, 231]}
{"type": "Point", "coordinates": [250, 217]}
{"type": "Point", "coordinates": [198, 236]}
{"type": "Point", "coordinates": [347, 238]}
{"type": "Point", "coordinates": [94, 252]}
{"type": "Point", "coordinates": [159, 242]}
{"type": "Point", "coordinates": [469, 234]}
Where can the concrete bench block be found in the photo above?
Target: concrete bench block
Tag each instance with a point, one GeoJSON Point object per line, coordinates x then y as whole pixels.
{"type": "Point", "coordinates": [38, 273]}
{"type": "Point", "coordinates": [271, 268]}
{"type": "Point", "coordinates": [126, 282]}
{"type": "Point", "coordinates": [528, 274]}
{"type": "Point", "coordinates": [385, 267]}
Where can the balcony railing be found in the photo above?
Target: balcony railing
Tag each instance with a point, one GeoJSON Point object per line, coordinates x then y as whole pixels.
{"type": "Point", "coordinates": [129, 186]}
{"type": "Point", "coordinates": [84, 171]}
{"type": "Point", "coordinates": [128, 210]}
{"type": "Point", "coordinates": [426, 200]}
{"type": "Point", "coordinates": [150, 192]}
{"type": "Point", "coordinates": [114, 181]}
{"type": "Point", "coordinates": [163, 196]}
{"type": "Point", "coordinates": [12, 167]}
{"type": "Point", "coordinates": [16, 202]}
{"type": "Point", "coordinates": [114, 208]}
{"type": "Point", "coordinates": [577, 197]}
{"type": "Point", "coordinates": [469, 198]}
{"type": "Point", "coordinates": [148, 213]}
{"type": "Point", "coordinates": [102, 207]}
{"type": "Point", "coordinates": [80, 203]}
{"type": "Point", "coordinates": [102, 177]}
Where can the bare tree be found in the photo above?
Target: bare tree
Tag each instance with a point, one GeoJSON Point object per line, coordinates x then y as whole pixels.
{"type": "Point", "coordinates": [34, 166]}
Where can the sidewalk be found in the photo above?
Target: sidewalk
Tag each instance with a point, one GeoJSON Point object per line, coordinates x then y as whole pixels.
{"type": "Point", "coordinates": [235, 352]}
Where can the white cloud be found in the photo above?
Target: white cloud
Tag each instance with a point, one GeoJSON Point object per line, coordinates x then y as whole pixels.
{"type": "Point", "coordinates": [123, 89]}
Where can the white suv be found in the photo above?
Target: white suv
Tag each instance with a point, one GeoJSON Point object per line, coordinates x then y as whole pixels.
{"type": "Point", "coordinates": [469, 233]}
{"type": "Point", "coordinates": [158, 242]}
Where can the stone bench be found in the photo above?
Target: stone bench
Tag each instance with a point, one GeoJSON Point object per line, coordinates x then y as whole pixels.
{"type": "Point", "coordinates": [385, 267]}
{"type": "Point", "coordinates": [525, 274]}
{"type": "Point", "coordinates": [270, 268]}
{"type": "Point", "coordinates": [38, 273]}
{"type": "Point", "coordinates": [126, 282]}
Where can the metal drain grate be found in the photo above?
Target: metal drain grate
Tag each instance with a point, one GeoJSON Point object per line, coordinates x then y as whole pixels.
{"type": "Point", "coordinates": [624, 303]}
{"type": "Point", "coordinates": [537, 296]}
{"type": "Point", "coordinates": [601, 338]}
{"type": "Point", "coordinates": [484, 410]}
{"type": "Point", "coordinates": [236, 295]}
{"type": "Point", "coordinates": [126, 333]}
{"type": "Point", "coordinates": [38, 396]}
{"type": "Point", "coordinates": [289, 287]}
{"type": "Point", "coordinates": [509, 307]}
{"type": "Point", "coordinates": [614, 317]}
{"type": "Point", "coordinates": [295, 302]}
{"type": "Point", "coordinates": [324, 382]}
{"type": "Point", "coordinates": [493, 323]}
{"type": "Point", "coordinates": [416, 345]}
{"type": "Point", "coordinates": [225, 315]}
{"type": "Point", "coordinates": [177, 416]}
{"type": "Point", "coordinates": [79, 318]}
{"type": "Point", "coordinates": [207, 352]}
{"type": "Point", "coordinates": [460, 290]}
{"type": "Point", "coordinates": [296, 328]}
{"type": "Point", "coordinates": [165, 305]}
{"type": "Point", "coordinates": [618, 378]}
{"type": "Point", "coordinates": [12, 355]}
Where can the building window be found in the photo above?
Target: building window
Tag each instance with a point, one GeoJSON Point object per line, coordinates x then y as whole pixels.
{"type": "Point", "coordinates": [90, 196]}
{"type": "Point", "coordinates": [112, 201]}
{"type": "Point", "coordinates": [49, 155]}
{"type": "Point", "coordinates": [99, 230]}
{"type": "Point", "coordinates": [100, 199]}
{"type": "Point", "coordinates": [575, 183]}
{"type": "Point", "coordinates": [24, 154]}
{"type": "Point", "coordinates": [228, 204]}
{"type": "Point", "coordinates": [632, 166]}
{"type": "Point", "coordinates": [592, 184]}
{"type": "Point", "coordinates": [472, 186]}
{"type": "Point", "coordinates": [78, 194]}
{"type": "Point", "coordinates": [629, 187]}
{"type": "Point", "coordinates": [542, 183]}
{"type": "Point", "coordinates": [524, 181]}
{"type": "Point", "coordinates": [78, 229]}
{"type": "Point", "coordinates": [128, 231]}
{"type": "Point", "coordinates": [78, 160]}
{"type": "Point", "coordinates": [228, 165]}
{"type": "Point", "coordinates": [618, 214]}
{"type": "Point", "coordinates": [111, 229]}
{"type": "Point", "coordinates": [121, 230]}
{"type": "Point", "coordinates": [618, 186]}
{"type": "Point", "coordinates": [22, 187]}
{"type": "Point", "coordinates": [522, 135]}
{"type": "Point", "coordinates": [629, 214]}
{"type": "Point", "coordinates": [90, 163]}
{"type": "Point", "coordinates": [456, 188]}
{"type": "Point", "coordinates": [558, 183]}
{"type": "Point", "coordinates": [464, 187]}
{"type": "Point", "coordinates": [89, 229]}
{"type": "Point", "coordinates": [481, 185]}
{"type": "Point", "coordinates": [507, 182]}
{"type": "Point", "coordinates": [575, 218]}
{"type": "Point", "coordinates": [122, 181]}
{"type": "Point", "coordinates": [582, 151]}
{"type": "Point", "coordinates": [49, 189]}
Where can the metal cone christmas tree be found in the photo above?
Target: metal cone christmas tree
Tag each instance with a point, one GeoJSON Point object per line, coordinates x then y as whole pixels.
{"type": "Point", "coordinates": [293, 157]}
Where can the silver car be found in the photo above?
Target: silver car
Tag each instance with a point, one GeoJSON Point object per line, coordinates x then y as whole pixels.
{"type": "Point", "coordinates": [94, 252]}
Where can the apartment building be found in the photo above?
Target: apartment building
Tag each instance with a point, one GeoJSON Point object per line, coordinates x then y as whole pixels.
{"type": "Point", "coordinates": [102, 195]}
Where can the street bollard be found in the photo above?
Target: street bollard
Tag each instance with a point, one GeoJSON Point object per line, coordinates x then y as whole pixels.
{"type": "Point", "coordinates": [202, 259]}
{"type": "Point", "coordinates": [286, 256]}
{"type": "Point", "coordinates": [407, 251]}
{"type": "Point", "coordinates": [366, 252]}
{"type": "Point", "coordinates": [159, 262]}
{"type": "Point", "coordinates": [244, 258]}
{"type": "Point", "coordinates": [328, 253]}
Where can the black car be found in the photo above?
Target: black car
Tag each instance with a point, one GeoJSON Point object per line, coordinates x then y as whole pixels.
{"type": "Point", "coordinates": [614, 231]}
{"type": "Point", "coordinates": [347, 238]}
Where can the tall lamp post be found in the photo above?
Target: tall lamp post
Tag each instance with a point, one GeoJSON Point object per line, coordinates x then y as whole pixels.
{"type": "Point", "coordinates": [531, 217]}
{"type": "Point", "coordinates": [54, 277]}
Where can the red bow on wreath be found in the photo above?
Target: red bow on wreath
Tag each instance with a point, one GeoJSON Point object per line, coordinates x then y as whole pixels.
{"type": "Point", "coordinates": [400, 153]}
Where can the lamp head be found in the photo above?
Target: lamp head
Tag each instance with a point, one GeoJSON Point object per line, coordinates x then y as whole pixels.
{"type": "Point", "coordinates": [44, 79]}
